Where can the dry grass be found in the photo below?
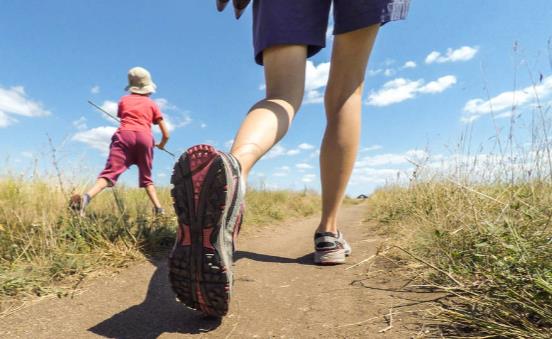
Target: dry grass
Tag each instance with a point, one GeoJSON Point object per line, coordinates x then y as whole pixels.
{"type": "Point", "coordinates": [491, 248]}
{"type": "Point", "coordinates": [479, 228]}
{"type": "Point", "coordinates": [45, 249]}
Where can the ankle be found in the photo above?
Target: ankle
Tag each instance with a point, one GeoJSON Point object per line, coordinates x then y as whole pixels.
{"type": "Point", "coordinates": [327, 227]}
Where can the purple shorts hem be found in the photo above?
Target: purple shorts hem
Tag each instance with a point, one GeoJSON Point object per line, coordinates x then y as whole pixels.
{"type": "Point", "coordinates": [292, 22]}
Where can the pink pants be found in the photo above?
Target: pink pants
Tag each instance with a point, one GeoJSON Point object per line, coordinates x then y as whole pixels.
{"type": "Point", "coordinates": [130, 148]}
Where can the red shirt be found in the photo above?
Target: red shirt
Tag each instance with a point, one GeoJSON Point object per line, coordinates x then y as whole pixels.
{"type": "Point", "coordinates": [138, 112]}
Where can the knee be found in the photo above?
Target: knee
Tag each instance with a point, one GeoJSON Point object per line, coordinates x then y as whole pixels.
{"type": "Point", "coordinates": [293, 97]}
{"type": "Point", "coordinates": [336, 98]}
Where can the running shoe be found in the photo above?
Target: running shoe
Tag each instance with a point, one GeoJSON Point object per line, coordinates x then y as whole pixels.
{"type": "Point", "coordinates": [208, 200]}
{"type": "Point", "coordinates": [330, 248]}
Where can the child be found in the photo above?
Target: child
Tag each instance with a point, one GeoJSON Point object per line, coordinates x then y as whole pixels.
{"type": "Point", "coordinates": [209, 184]}
{"type": "Point", "coordinates": [132, 143]}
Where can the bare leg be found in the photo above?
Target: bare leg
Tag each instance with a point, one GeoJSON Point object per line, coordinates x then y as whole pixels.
{"type": "Point", "coordinates": [343, 101]}
{"type": "Point", "coordinates": [269, 119]}
{"type": "Point", "coordinates": [99, 186]}
{"type": "Point", "coordinates": [152, 194]}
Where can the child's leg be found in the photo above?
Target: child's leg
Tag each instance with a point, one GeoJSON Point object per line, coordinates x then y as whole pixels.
{"type": "Point", "coordinates": [99, 186]}
{"type": "Point", "coordinates": [152, 194]}
{"type": "Point", "coordinates": [142, 153]}
{"type": "Point", "coordinates": [269, 119]}
{"type": "Point", "coordinates": [343, 101]}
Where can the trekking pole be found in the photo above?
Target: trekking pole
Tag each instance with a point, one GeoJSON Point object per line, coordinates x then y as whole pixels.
{"type": "Point", "coordinates": [116, 119]}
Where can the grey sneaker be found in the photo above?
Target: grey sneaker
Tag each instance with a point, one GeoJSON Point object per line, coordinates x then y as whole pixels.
{"type": "Point", "coordinates": [208, 201]}
{"type": "Point", "coordinates": [330, 248]}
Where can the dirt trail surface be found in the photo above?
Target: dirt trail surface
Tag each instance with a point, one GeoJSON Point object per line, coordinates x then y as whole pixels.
{"type": "Point", "coordinates": [278, 293]}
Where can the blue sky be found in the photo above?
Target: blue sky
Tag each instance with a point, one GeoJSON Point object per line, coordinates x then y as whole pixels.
{"type": "Point", "coordinates": [430, 79]}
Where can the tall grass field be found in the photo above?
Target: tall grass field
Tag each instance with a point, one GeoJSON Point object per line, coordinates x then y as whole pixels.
{"type": "Point", "coordinates": [45, 249]}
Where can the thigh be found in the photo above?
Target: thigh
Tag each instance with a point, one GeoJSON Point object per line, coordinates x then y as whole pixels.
{"type": "Point", "coordinates": [289, 22]}
{"type": "Point", "coordinates": [143, 155]}
{"type": "Point", "coordinates": [350, 55]}
{"type": "Point", "coordinates": [285, 73]}
{"type": "Point", "coordinates": [117, 161]}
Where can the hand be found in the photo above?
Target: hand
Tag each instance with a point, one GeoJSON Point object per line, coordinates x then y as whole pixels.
{"type": "Point", "coordinates": [161, 146]}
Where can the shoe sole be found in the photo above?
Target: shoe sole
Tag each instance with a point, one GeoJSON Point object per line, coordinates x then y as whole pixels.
{"type": "Point", "coordinates": [336, 257]}
{"type": "Point", "coordinates": [199, 264]}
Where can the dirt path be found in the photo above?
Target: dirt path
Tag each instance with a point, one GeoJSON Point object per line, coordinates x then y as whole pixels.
{"type": "Point", "coordinates": [277, 294]}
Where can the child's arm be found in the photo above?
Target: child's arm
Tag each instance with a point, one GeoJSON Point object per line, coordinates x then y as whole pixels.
{"type": "Point", "coordinates": [165, 133]}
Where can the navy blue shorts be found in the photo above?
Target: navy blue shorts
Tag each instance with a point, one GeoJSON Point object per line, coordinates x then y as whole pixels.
{"type": "Point", "coordinates": [304, 22]}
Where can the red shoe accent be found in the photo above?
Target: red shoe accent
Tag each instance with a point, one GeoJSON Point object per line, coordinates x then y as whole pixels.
{"type": "Point", "coordinates": [184, 232]}
{"type": "Point", "coordinates": [207, 238]}
{"type": "Point", "coordinates": [200, 157]}
{"type": "Point", "coordinates": [200, 299]}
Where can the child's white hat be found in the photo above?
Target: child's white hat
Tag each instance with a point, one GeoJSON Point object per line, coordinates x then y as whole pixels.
{"type": "Point", "coordinates": [139, 81]}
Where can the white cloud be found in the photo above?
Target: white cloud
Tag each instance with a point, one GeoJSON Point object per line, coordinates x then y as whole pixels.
{"type": "Point", "coordinates": [164, 104]}
{"type": "Point", "coordinates": [438, 85]}
{"type": "Point", "coordinates": [377, 176]}
{"type": "Point", "coordinates": [409, 64]}
{"type": "Point", "coordinates": [281, 174]}
{"type": "Point", "coordinates": [27, 154]}
{"type": "Point", "coordinates": [174, 122]}
{"type": "Point", "coordinates": [463, 53]}
{"type": "Point", "coordinates": [371, 148]}
{"type": "Point", "coordinates": [313, 97]}
{"type": "Point", "coordinates": [316, 77]}
{"type": "Point", "coordinates": [299, 149]}
{"type": "Point", "coordinates": [293, 152]}
{"type": "Point", "coordinates": [432, 57]}
{"type": "Point", "coordinates": [391, 158]}
{"type": "Point", "coordinates": [98, 138]}
{"type": "Point", "coordinates": [401, 89]}
{"type": "Point", "coordinates": [276, 151]}
{"type": "Point", "coordinates": [14, 101]}
{"type": "Point", "coordinates": [285, 168]}
{"type": "Point", "coordinates": [203, 125]}
{"type": "Point", "coordinates": [110, 107]}
{"type": "Point", "coordinates": [308, 178]}
{"type": "Point", "coordinates": [315, 153]}
{"type": "Point", "coordinates": [95, 89]}
{"type": "Point", "coordinates": [305, 146]}
{"type": "Point", "coordinates": [376, 169]}
{"type": "Point", "coordinates": [6, 120]}
{"type": "Point", "coordinates": [389, 72]}
{"type": "Point", "coordinates": [303, 166]}
{"type": "Point", "coordinates": [228, 144]}
{"type": "Point", "coordinates": [80, 123]}
{"type": "Point", "coordinates": [394, 91]}
{"type": "Point", "coordinates": [329, 31]}
{"type": "Point", "coordinates": [374, 72]}
{"type": "Point", "coordinates": [475, 108]}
